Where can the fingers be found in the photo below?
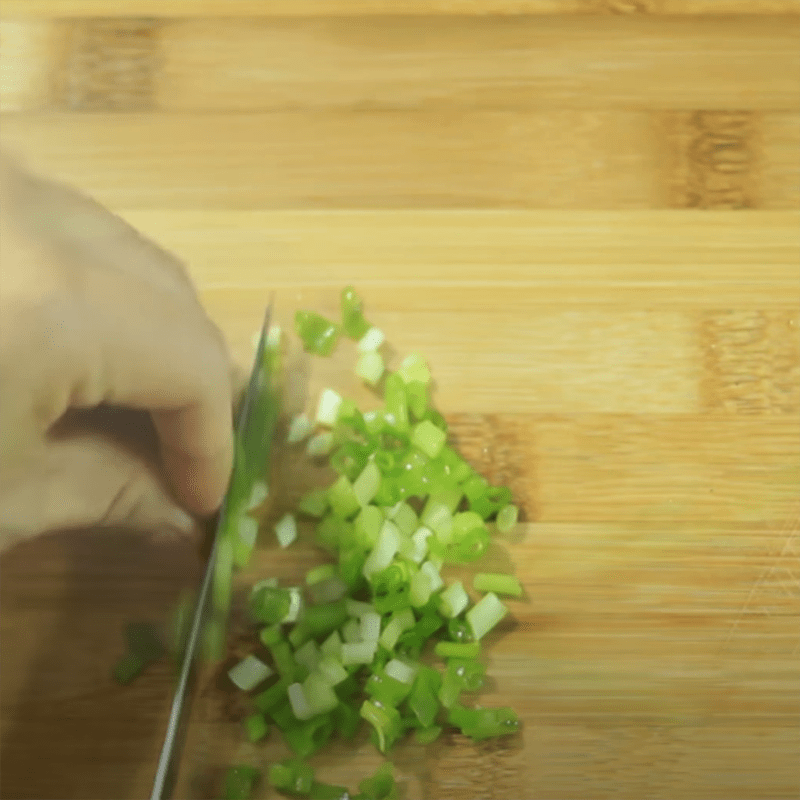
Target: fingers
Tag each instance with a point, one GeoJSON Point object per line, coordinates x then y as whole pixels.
{"type": "Point", "coordinates": [169, 359]}
{"type": "Point", "coordinates": [135, 335]}
{"type": "Point", "coordinates": [87, 480]}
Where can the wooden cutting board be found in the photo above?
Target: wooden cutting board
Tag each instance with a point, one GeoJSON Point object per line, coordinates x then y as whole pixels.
{"type": "Point", "coordinates": [585, 213]}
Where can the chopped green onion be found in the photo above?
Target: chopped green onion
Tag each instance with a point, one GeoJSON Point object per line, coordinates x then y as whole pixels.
{"type": "Point", "coordinates": [320, 445]}
{"type": "Point", "coordinates": [427, 735]}
{"type": "Point", "coordinates": [240, 782]}
{"type": "Point", "coordinates": [314, 503]}
{"type": "Point", "coordinates": [401, 621]}
{"type": "Point", "coordinates": [256, 727]}
{"type": "Point", "coordinates": [428, 438]}
{"type": "Point", "coordinates": [414, 368]}
{"type": "Point", "coordinates": [295, 604]}
{"type": "Point", "coordinates": [271, 635]}
{"type": "Point", "coordinates": [485, 614]}
{"type": "Point", "coordinates": [269, 698]}
{"type": "Point", "coordinates": [248, 673]}
{"type": "Point", "coordinates": [286, 530]}
{"type": "Point", "coordinates": [384, 550]}
{"type": "Point", "coordinates": [424, 583]}
{"type": "Point", "coordinates": [370, 627]}
{"type": "Point", "coordinates": [332, 670]}
{"type": "Point", "coordinates": [453, 600]}
{"type": "Point", "coordinates": [300, 705]}
{"type": "Point", "coordinates": [396, 403]}
{"type": "Point", "coordinates": [328, 591]}
{"type": "Point", "coordinates": [358, 652]}
{"type": "Point", "coordinates": [258, 494]}
{"type": "Point", "coordinates": [293, 776]}
{"type": "Point", "coordinates": [353, 322]}
{"type": "Point", "coordinates": [404, 517]}
{"type": "Point", "coordinates": [380, 785]}
{"type": "Point", "coordinates": [457, 649]}
{"type": "Point", "coordinates": [308, 655]}
{"type": "Point", "coordinates": [320, 573]}
{"type": "Point", "coordinates": [370, 367]}
{"type": "Point", "coordinates": [332, 646]}
{"type": "Point", "coordinates": [130, 666]}
{"type": "Point", "coordinates": [500, 584]}
{"type": "Point", "coordinates": [328, 408]}
{"type": "Point", "coordinates": [419, 545]}
{"type": "Point", "coordinates": [368, 526]}
{"type": "Point", "coordinates": [310, 736]}
{"type": "Point", "coordinates": [351, 632]}
{"type": "Point", "coordinates": [438, 517]}
{"type": "Point", "coordinates": [356, 608]}
{"type": "Point", "coordinates": [269, 605]}
{"type": "Point", "coordinates": [327, 791]}
{"type": "Point", "coordinates": [319, 335]}
{"type": "Point", "coordinates": [300, 428]}
{"type": "Point", "coordinates": [400, 671]}
{"type": "Point", "coordinates": [484, 723]}
{"type": "Point", "coordinates": [319, 694]}
{"type": "Point", "coordinates": [507, 518]}
{"type": "Point", "coordinates": [385, 720]}
{"type": "Point", "coordinates": [273, 340]}
{"type": "Point", "coordinates": [342, 498]}
{"type": "Point", "coordinates": [423, 700]}
{"type": "Point", "coordinates": [371, 340]}
{"type": "Point", "coordinates": [365, 486]}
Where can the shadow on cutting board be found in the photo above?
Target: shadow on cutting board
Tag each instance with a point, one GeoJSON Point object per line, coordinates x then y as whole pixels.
{"type": "Point", "coordinates": [68, 730]}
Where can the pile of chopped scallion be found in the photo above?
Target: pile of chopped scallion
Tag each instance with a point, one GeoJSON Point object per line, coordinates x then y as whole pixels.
{"type": "Point", "coordinates": [347, 648]}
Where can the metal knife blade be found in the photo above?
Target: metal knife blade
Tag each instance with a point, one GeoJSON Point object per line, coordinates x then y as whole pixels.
{"type": "Point", "coordinates": [166, 772]}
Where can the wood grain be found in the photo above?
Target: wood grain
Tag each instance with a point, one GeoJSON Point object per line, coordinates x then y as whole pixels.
{"type": "Point", "coordinates": [524, 63]}
{"type": "Point", "coordinates": [585, 213]}
{"type": "Point", "coordinates": [314, 8]}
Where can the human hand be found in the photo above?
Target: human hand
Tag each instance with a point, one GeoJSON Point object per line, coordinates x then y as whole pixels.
{"type": "Point", "coordinates": [116, 390]}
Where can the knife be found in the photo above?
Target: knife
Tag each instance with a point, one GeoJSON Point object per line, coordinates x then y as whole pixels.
{"type": "Point", "coordinates": [248, 456]}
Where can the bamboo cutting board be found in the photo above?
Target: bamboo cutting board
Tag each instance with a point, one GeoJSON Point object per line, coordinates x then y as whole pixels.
{"type": "Point", "coordinates": [585, 213]}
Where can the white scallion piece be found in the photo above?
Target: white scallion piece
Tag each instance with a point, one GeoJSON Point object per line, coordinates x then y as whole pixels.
{"type": "Point", "coordinates": [286, 530]}
{"type": "Point", "coordinates": [258, 495]}
{"type": "Point", "coordinates": [273, 341]}
{"type": "Point", "coordinates": [358, 652]}
{"type": "Point", "coordinates": [485, 614]}
{"type": "Point", "coordinates": [331, 670]}
{"type": "Point", "coordinates": [365, 486]}
{"type": "Point", "coordinates": [453, 600]}
{"type": "Point", "coordinates": [371, 340]}
{"type": "Point", "coordinates": [299, 428]}
{"type": "Point", "coordinates": [328, 408]}
{"type": "Point", "coordinates": [295, 604]}
{"type": "Point", "coordinates": [320, 445]}
{"type": "Point", "coordinates": [357, 608]}
{"type": "Point", "coordinates": [248, 673]}
{"type": "Point", "coordinates": [248, 530]}
{"type": "Point", "coordinates": [300, 705]}
{"type": "Point", "coordinates": [419, 544]}
{"type": "Point", "coordinates": [371, 627]}
{"type": "Point", "coordinates": [319, 694]}
{"type": "Point", "coordinates": [401, 621]}
{"type": "Point", "coordinates": [351, 632]}
{"type": "Point", "coordinates": [308, 655]}
{"type": "Point", "coordinates": [400, 671]}
{"type": "Point", "coordinates": [414, 368]}
{"type": "Point", "coordinates": [424, 583]}
{"type": "Point", "coordinates": [370, 367]}
{"type": "Point", "coordinates": [384, 551]}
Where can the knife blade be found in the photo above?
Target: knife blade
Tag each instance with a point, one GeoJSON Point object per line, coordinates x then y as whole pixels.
{"type": "Point", "coordinates": [166, 771]}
